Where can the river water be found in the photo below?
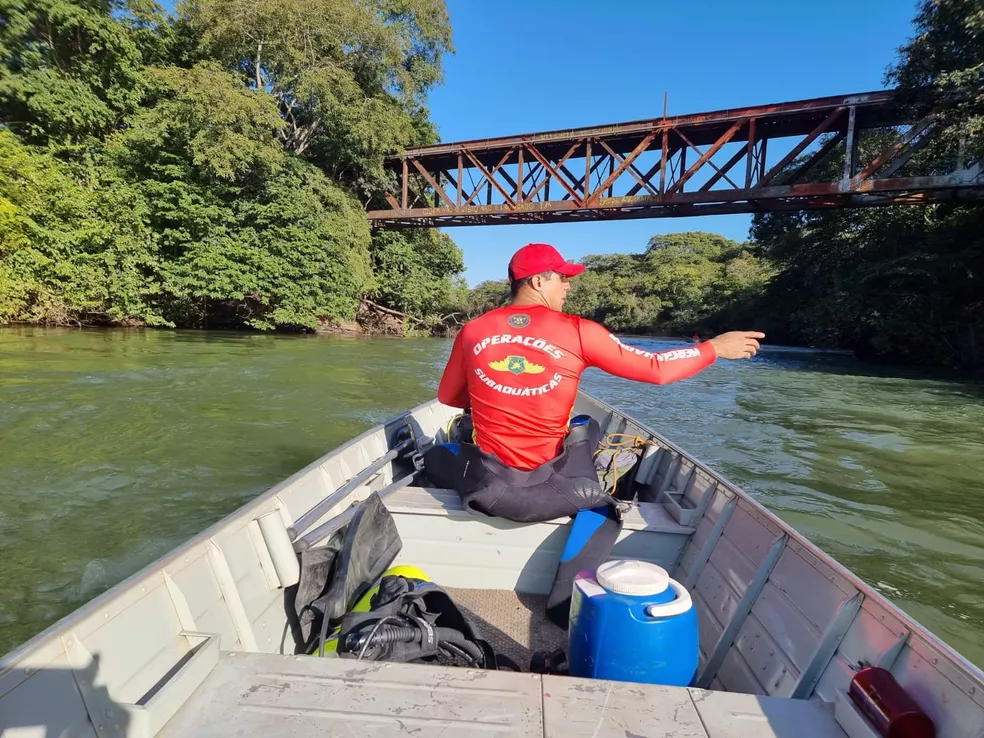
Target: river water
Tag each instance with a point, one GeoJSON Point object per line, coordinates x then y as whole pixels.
{"type": "Point", "coordinates": [116, 446]}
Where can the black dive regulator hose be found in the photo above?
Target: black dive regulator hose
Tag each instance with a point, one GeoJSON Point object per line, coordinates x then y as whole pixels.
{"type": "Point", "coordinates": [449, 640]}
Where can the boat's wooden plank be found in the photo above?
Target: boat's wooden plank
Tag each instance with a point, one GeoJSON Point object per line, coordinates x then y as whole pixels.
{"type": "Point", "coordinates": [490, 553]}
{"type": "Point", "coordinates": [748, 600]}
{"type": "Point", "coordinates": [735, 675]}
{"type": "Point", "coordinates": [302, 696]}
{"type": "Point", "coordinates": [750, 536]}
{"type": "Point", "coordinates": [730, 715]}
{"type": "Point", "coordinates": [591, 708]}
{"type": "Point", "coordinates": [826, 647]}
{"type": "Point", "coordinates": [247, 574]}
{"type": "Point", "coordinates": [697, 555]}
{"type": "Point", "coordinates": [719, 597]}
{"type": "Point", "coordinates": [786, 624]}
{"type": "Point", "coordinates": [196, 581]}
{"type": "Point", "coordinates": [309, 487]}
{"type": "Point", "coordinates": [734, 569]}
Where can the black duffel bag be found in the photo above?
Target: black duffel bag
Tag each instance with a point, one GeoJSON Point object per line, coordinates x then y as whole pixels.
{"type": "Point", "coordinates": [415, 621]}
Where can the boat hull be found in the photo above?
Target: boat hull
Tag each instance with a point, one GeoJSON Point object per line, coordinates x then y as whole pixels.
{"type": "Point", "coordinates": [777, 616]}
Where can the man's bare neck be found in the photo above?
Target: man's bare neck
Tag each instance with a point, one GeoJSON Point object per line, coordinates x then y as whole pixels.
{"type": "Point", "coordinates": [525, 299]}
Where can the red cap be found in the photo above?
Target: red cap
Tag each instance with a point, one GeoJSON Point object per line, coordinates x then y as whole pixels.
{"type": "Point", "coordinates": [535, 258]}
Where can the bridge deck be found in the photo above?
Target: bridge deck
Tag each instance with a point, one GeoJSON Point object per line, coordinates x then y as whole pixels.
{"type": "Point", "coordinates": [785, 156]}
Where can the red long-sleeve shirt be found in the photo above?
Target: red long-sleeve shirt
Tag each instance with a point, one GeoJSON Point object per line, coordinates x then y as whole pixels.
{"type": "Point", "coordinates": [518, 369]}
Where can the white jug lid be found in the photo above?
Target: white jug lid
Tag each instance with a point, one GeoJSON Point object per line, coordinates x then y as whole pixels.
{"type": "Point", "coordinates": [631, 577]}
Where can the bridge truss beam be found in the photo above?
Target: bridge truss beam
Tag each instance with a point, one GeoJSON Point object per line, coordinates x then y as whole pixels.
{"type": "Point", "coordinates": [765, 158]}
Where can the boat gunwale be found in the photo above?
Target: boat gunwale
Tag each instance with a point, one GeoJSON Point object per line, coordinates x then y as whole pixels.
{"type": "Point", "coordinates": [801, 540]}
{"type": "Point", "coordinates": [62, 625]}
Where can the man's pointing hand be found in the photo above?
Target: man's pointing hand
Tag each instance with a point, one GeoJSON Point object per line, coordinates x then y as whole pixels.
{"type": "Point", "coordinates": [736, 344]}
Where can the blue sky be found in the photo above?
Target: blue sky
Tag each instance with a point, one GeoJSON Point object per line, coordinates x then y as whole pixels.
{"type": "Point", "coordinates": [538, 65]}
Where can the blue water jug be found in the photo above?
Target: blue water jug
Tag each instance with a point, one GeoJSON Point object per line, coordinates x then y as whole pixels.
{"type": "Point", "coordinates": [631, 622]}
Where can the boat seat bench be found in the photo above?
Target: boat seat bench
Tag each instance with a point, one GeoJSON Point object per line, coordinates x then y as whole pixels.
{"type": "Point", "coordinates": [646, 516]}
{"type": "Point", "coordinates": [252, 694]}
{"type": "Point", "coordinates": [460, 549]}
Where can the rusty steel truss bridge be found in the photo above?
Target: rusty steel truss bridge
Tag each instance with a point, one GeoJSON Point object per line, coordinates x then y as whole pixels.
{"type": "Point", "coordinates": [789, 156]}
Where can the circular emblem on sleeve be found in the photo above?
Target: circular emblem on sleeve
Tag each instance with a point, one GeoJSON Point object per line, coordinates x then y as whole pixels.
{"type": "Point", "coordinates": [519, 320]}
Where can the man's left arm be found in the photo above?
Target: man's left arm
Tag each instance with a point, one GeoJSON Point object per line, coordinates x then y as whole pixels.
{"type": "Point", "coordinates": [602, 349]}
{"type": "Point", "coordinates": [453, 389]}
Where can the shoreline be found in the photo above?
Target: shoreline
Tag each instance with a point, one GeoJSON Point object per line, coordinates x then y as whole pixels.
{"type": "Point", "coordinates": [942, 371]}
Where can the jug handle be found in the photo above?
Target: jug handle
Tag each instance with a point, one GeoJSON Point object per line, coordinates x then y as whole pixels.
{"type": "Point", "coordinates": [678, 606]}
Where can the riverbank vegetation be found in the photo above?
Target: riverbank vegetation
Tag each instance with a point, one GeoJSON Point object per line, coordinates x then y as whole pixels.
{"type": "Point", "coordinates": [211, 166]}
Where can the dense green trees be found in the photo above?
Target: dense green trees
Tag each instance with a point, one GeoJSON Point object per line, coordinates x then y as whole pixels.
{"type": "Point", "coordinates": [212, 167]}
{"type": "Point", "coordinates": [900, 283]}
{"type": "Point", "coordinates": [681, 283]}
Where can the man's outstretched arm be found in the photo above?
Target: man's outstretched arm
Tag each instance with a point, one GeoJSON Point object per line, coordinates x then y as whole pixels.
{"type": "Point", "coordinates": [603, 350]}
{"type": "Point", "coordinates": [453, 389]}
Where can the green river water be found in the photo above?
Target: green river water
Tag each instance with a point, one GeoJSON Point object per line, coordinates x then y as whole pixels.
{"type": "Point", "coordinates": [116, 446]}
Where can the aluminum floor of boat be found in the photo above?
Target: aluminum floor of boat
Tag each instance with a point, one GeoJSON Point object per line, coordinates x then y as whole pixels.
{"type": "Point", "coordinates": [514, 624]}
{"type": "Point", "coordinates": [308, 697]}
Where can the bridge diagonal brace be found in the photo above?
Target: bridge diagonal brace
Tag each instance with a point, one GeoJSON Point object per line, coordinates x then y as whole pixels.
{"type": "Point", "coordinates": [451, 178]}
{"type": "Point", "coordinates": [801, 146]}
{"type": "Point", "coordinates": [430, 180]}
{"type": "Point", "coordinates": [879, 161]}
{"type": "Point", "coordinates": [528, 174]}
{"type": "Point", "coordinates": [817, 157]}
{"type": "Point", "coordinates": [579, 181]}
{"type": "Point", "coordinates": [705, 156]}
{"type": "Point", "coordinates": [549, 171]}
{"type": "Point", "coordinates": [648, 176]}
{"type": "Point", "coordinates": [722, 173]}
{"type": "Point", "coordinates": [620, 169]}
{"type": "Point", "coordinates": [646, 181]}
{"type": "Point", "coordinates": [533, 177]}
{"type": "Point", "coordinates": [508, 177]}
{"type": "Point", "coordinates": [640, 178]}
{"type": "Point", "coordinates": [546, 165]}
{"type": "Point", "coordinates": [490, 176]}
{"type": "Point", "coordinates": [905, 158]}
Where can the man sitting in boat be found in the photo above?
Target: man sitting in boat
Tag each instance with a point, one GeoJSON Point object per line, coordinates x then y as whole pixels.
{"type": "Point", "coordinates": [517, 370]}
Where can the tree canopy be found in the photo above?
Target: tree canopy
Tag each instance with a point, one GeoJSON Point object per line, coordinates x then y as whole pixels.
{"type": "Point", "coordinates": [212, 166]}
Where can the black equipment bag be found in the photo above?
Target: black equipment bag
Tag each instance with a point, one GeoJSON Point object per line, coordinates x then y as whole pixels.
{"type": "Point", "coordinates": [336, 576]}
{"type": "Point", "coordinates": [417, 622]}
